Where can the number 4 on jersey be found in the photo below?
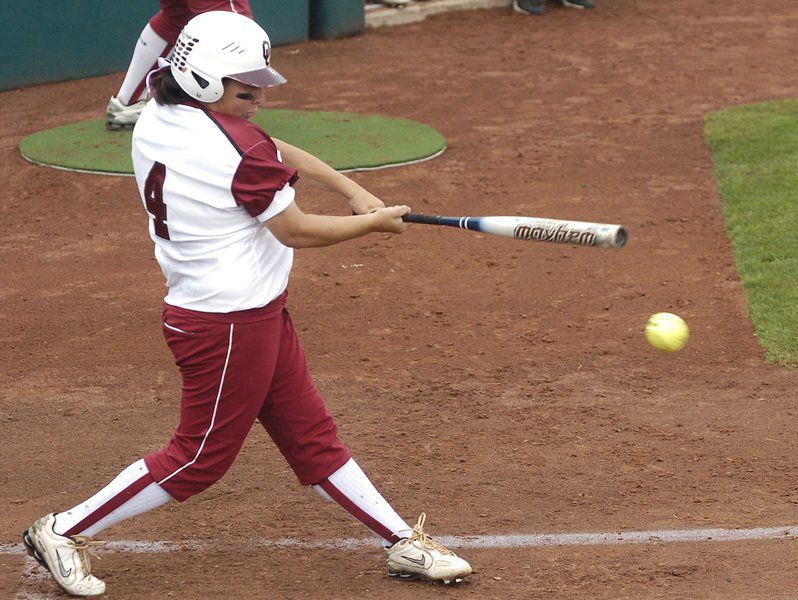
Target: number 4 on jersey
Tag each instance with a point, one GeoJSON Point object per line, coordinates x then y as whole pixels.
{"type": "Point", "coordinates": [153, 194]}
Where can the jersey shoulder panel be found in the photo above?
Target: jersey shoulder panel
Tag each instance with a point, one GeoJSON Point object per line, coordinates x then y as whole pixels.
{"type": "Point", "coordinates": [243, 134]}
{"type": "Point", "coordinates": [261, 173]}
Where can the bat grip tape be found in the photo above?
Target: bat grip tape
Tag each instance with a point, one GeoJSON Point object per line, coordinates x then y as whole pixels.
{"type": "Point", "coordinates": [419, 218]}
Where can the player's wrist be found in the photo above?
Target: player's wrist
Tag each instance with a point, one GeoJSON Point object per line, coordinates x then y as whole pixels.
{"type": "Point", "coordinates": [374, 220]}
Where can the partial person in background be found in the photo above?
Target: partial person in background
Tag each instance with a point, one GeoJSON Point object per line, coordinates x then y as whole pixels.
{"type": "Point", "coordinates": [156, 41]}
{"type": "Point", "coordinates": [220, 202]}
{"type": "Point", "coordinates": [538, 7]}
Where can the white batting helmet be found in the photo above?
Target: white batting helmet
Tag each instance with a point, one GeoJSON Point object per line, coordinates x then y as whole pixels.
{"type": "Point", "coordinates": [219, 44]}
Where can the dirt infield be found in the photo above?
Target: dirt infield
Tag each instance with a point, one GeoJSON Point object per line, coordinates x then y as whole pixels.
{"type": "Point", "coordinates": [503, 387]}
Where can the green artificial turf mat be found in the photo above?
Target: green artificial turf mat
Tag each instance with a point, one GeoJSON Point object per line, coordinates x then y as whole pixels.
{"type": "Point", "coordinates": [346, 141]}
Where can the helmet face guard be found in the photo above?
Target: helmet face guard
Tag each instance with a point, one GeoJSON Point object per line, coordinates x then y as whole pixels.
{"type": "Point", "coordinates": [216, 45]}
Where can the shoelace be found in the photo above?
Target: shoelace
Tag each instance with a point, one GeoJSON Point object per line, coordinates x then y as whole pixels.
{"type": "Point", "coordinates": [83, 546]}
{"type": "Point", "coordinates": [424, 539]}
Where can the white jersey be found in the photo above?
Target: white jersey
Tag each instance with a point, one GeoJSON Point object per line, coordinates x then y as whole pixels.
{"type": "Point", "coordinates": [208, 182]}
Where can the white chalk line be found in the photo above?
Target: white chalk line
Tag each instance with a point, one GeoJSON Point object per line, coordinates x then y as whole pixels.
{"type": "Point", "coordinates": [534, 540]}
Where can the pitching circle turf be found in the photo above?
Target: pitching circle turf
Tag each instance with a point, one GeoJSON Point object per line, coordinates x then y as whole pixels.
{"type": "Point", "coordinates": [346, 141]}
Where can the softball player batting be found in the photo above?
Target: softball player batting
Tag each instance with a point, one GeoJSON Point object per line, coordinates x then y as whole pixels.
{"type": "Point", "coordinates": [219, 195]}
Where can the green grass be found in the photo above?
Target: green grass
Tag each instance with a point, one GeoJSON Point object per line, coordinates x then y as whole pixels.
{"type": "Point", "coordinates": [755, 156]}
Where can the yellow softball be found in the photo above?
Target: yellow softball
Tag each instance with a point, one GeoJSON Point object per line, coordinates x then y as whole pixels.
{"type": "Point", "coordinates": [667, 332]}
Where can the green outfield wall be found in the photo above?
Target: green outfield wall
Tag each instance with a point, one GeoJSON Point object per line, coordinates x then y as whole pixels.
{"type": "Point", "coordinates": [42, 41]}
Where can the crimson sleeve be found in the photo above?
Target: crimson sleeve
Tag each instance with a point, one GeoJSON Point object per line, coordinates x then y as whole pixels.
{"type": "Point", "coordinates": [259, 176]}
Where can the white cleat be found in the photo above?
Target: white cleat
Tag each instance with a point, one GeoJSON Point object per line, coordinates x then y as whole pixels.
{"type": "Point", "coordinates": [67, 558]}
{"type": "Point", "coordinates": [122, 116]}
{"type": "Point", "coordinates": [421, 557]}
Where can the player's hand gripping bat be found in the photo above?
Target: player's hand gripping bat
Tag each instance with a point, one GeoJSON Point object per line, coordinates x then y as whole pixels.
{"type": "Point", "coordinates": [534, 228]}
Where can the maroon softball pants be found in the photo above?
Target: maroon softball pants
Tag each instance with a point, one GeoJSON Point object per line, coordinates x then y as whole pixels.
{"type": "Point", "coordinates": [174, 14]}
{"type": "Point", "coordinates": [238, 368]}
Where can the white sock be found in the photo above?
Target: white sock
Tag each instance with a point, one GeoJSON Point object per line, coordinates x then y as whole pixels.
{"type": "Point", "coordinates": [131, 493]}
{"type": "Point", "coordinates": [148, 48]}
{"type": "Point", "coordinates": [351, 489]}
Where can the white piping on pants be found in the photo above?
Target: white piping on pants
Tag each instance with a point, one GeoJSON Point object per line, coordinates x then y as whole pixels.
{"type": "Point", "coordinates": [215, 409]}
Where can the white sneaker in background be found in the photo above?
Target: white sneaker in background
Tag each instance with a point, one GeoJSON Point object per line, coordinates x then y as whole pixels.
{"type": "Point", "coordinates": [121, 116]}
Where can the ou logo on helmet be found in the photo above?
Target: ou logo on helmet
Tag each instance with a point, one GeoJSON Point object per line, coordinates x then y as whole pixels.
{"type": "Point", "coordinates": [266, 51]}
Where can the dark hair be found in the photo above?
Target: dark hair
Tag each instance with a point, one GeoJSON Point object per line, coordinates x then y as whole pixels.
{"type": "Point", "coordinates": [165, 89]}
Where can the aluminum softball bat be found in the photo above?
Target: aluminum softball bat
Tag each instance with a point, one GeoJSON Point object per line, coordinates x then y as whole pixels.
{"type": "Point", "coordinates": [538, 229]}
